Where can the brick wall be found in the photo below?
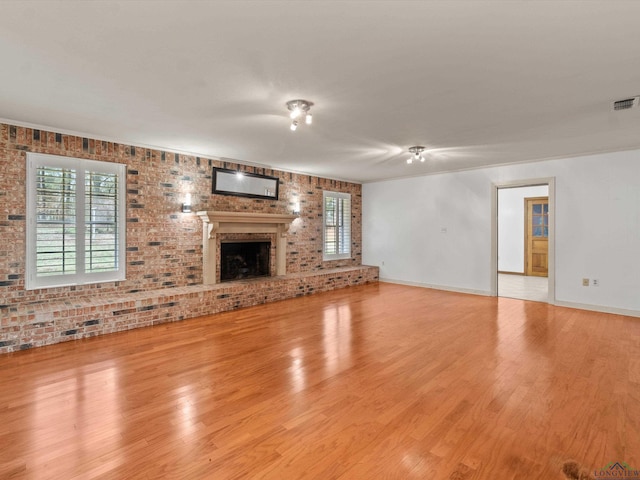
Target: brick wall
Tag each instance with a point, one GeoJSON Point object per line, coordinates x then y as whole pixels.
{"type": "Point", "coordinates": [164, 246]}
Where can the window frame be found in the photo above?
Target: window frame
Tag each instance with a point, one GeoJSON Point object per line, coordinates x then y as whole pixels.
{"type": "Point", "coordinates": [339, 229]}
{"type": "Point", "coordinates": [81, 166]}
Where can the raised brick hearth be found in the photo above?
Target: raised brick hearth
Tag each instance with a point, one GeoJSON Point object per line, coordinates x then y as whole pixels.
{"type": "Point", "coordinates": [36, 324]}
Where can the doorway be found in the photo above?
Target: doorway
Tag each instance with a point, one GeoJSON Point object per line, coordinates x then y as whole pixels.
{"type": "Point", "coordinates": [522, 240]}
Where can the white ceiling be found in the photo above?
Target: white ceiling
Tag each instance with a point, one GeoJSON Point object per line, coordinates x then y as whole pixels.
{"type": "Point", "coordinates": [476, 82]}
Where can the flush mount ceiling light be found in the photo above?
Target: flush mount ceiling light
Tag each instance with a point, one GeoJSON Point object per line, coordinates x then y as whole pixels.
{"type": "Point", "coordinates": [298, 108]}
{"type": "Point", "coordinates": [416, 154]}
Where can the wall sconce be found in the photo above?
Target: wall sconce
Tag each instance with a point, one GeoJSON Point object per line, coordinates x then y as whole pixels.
{"type": "Point", "coordinates": [186, 206]}
{"type": "Point", "coordinates": [296, 208]}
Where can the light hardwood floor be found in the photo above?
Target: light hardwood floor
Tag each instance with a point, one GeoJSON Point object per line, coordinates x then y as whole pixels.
{"type": "Point", "coordinates": [375, 382]}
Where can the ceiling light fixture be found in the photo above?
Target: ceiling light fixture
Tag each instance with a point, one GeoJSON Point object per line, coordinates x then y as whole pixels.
{"type": "Point", "coordinates": [416, 154]}
{"type": "Point", "coordinates": [298, 108]}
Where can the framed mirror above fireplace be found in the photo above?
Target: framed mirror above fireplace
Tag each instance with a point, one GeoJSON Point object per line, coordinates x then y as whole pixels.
{"type": "Point", "coordinates": [243, 184]}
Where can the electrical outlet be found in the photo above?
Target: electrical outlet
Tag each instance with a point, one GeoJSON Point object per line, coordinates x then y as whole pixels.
{"type": "Point", "coordinates": [595, 282]}
{"type": "Point", "coordinates": [585, 282]}
{"type": "Point", "coordinates": [383, 263]}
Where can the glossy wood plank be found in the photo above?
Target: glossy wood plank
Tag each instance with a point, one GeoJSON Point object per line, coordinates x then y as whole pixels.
{"type": "Point", "coordinates": [379, 381]}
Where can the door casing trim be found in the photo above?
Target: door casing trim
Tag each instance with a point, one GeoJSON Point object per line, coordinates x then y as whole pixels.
{"type": "Point", "coordinates": [551, 182]}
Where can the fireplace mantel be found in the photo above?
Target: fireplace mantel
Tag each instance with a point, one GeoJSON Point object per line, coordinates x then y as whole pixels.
{"type": "Point", "coordinates": [214, 222]}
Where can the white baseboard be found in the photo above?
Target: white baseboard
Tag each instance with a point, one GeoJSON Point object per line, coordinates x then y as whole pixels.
{"type": "Point", "coordinates": [557, 303]}
{"type": "Point", "coordinates": [446, 288]}
{"type": "Point", "coordinates": [598, 308]}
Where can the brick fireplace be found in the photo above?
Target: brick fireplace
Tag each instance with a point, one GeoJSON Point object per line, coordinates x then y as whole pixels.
{"type": "Point", "coordinates": [216, 224]}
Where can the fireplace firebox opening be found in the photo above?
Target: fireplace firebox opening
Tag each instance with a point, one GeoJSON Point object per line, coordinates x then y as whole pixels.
{"type": "Point", "coordinates": [247, 259]}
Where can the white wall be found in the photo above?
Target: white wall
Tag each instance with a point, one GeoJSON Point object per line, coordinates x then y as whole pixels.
{"type": "Point", "coordinates": [511, 225]}
{"type": "Point", "coordinates": [436, 230]}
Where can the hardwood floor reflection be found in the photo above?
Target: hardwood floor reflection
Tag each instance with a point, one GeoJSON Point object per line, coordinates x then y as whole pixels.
{"type": "Point", "coordinates": [378, 381]}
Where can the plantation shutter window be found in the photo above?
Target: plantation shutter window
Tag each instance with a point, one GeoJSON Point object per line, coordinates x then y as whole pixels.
{"type": "Point", "coordinates": [75, 221]}
{"type": "Point", "coordinates": [337, 225]}
{"type": "Point", "coordinates": [101, 222]}
{"type": "Point", "coordinates": [56, 221]}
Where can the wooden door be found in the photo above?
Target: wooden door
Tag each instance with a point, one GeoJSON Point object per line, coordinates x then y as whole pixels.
{"type": "Point", "coordinates": [536, 246]}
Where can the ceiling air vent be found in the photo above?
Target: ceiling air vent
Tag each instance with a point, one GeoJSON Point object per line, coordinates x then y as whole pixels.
{"type": "Point", "coordinates": [626, 104]}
